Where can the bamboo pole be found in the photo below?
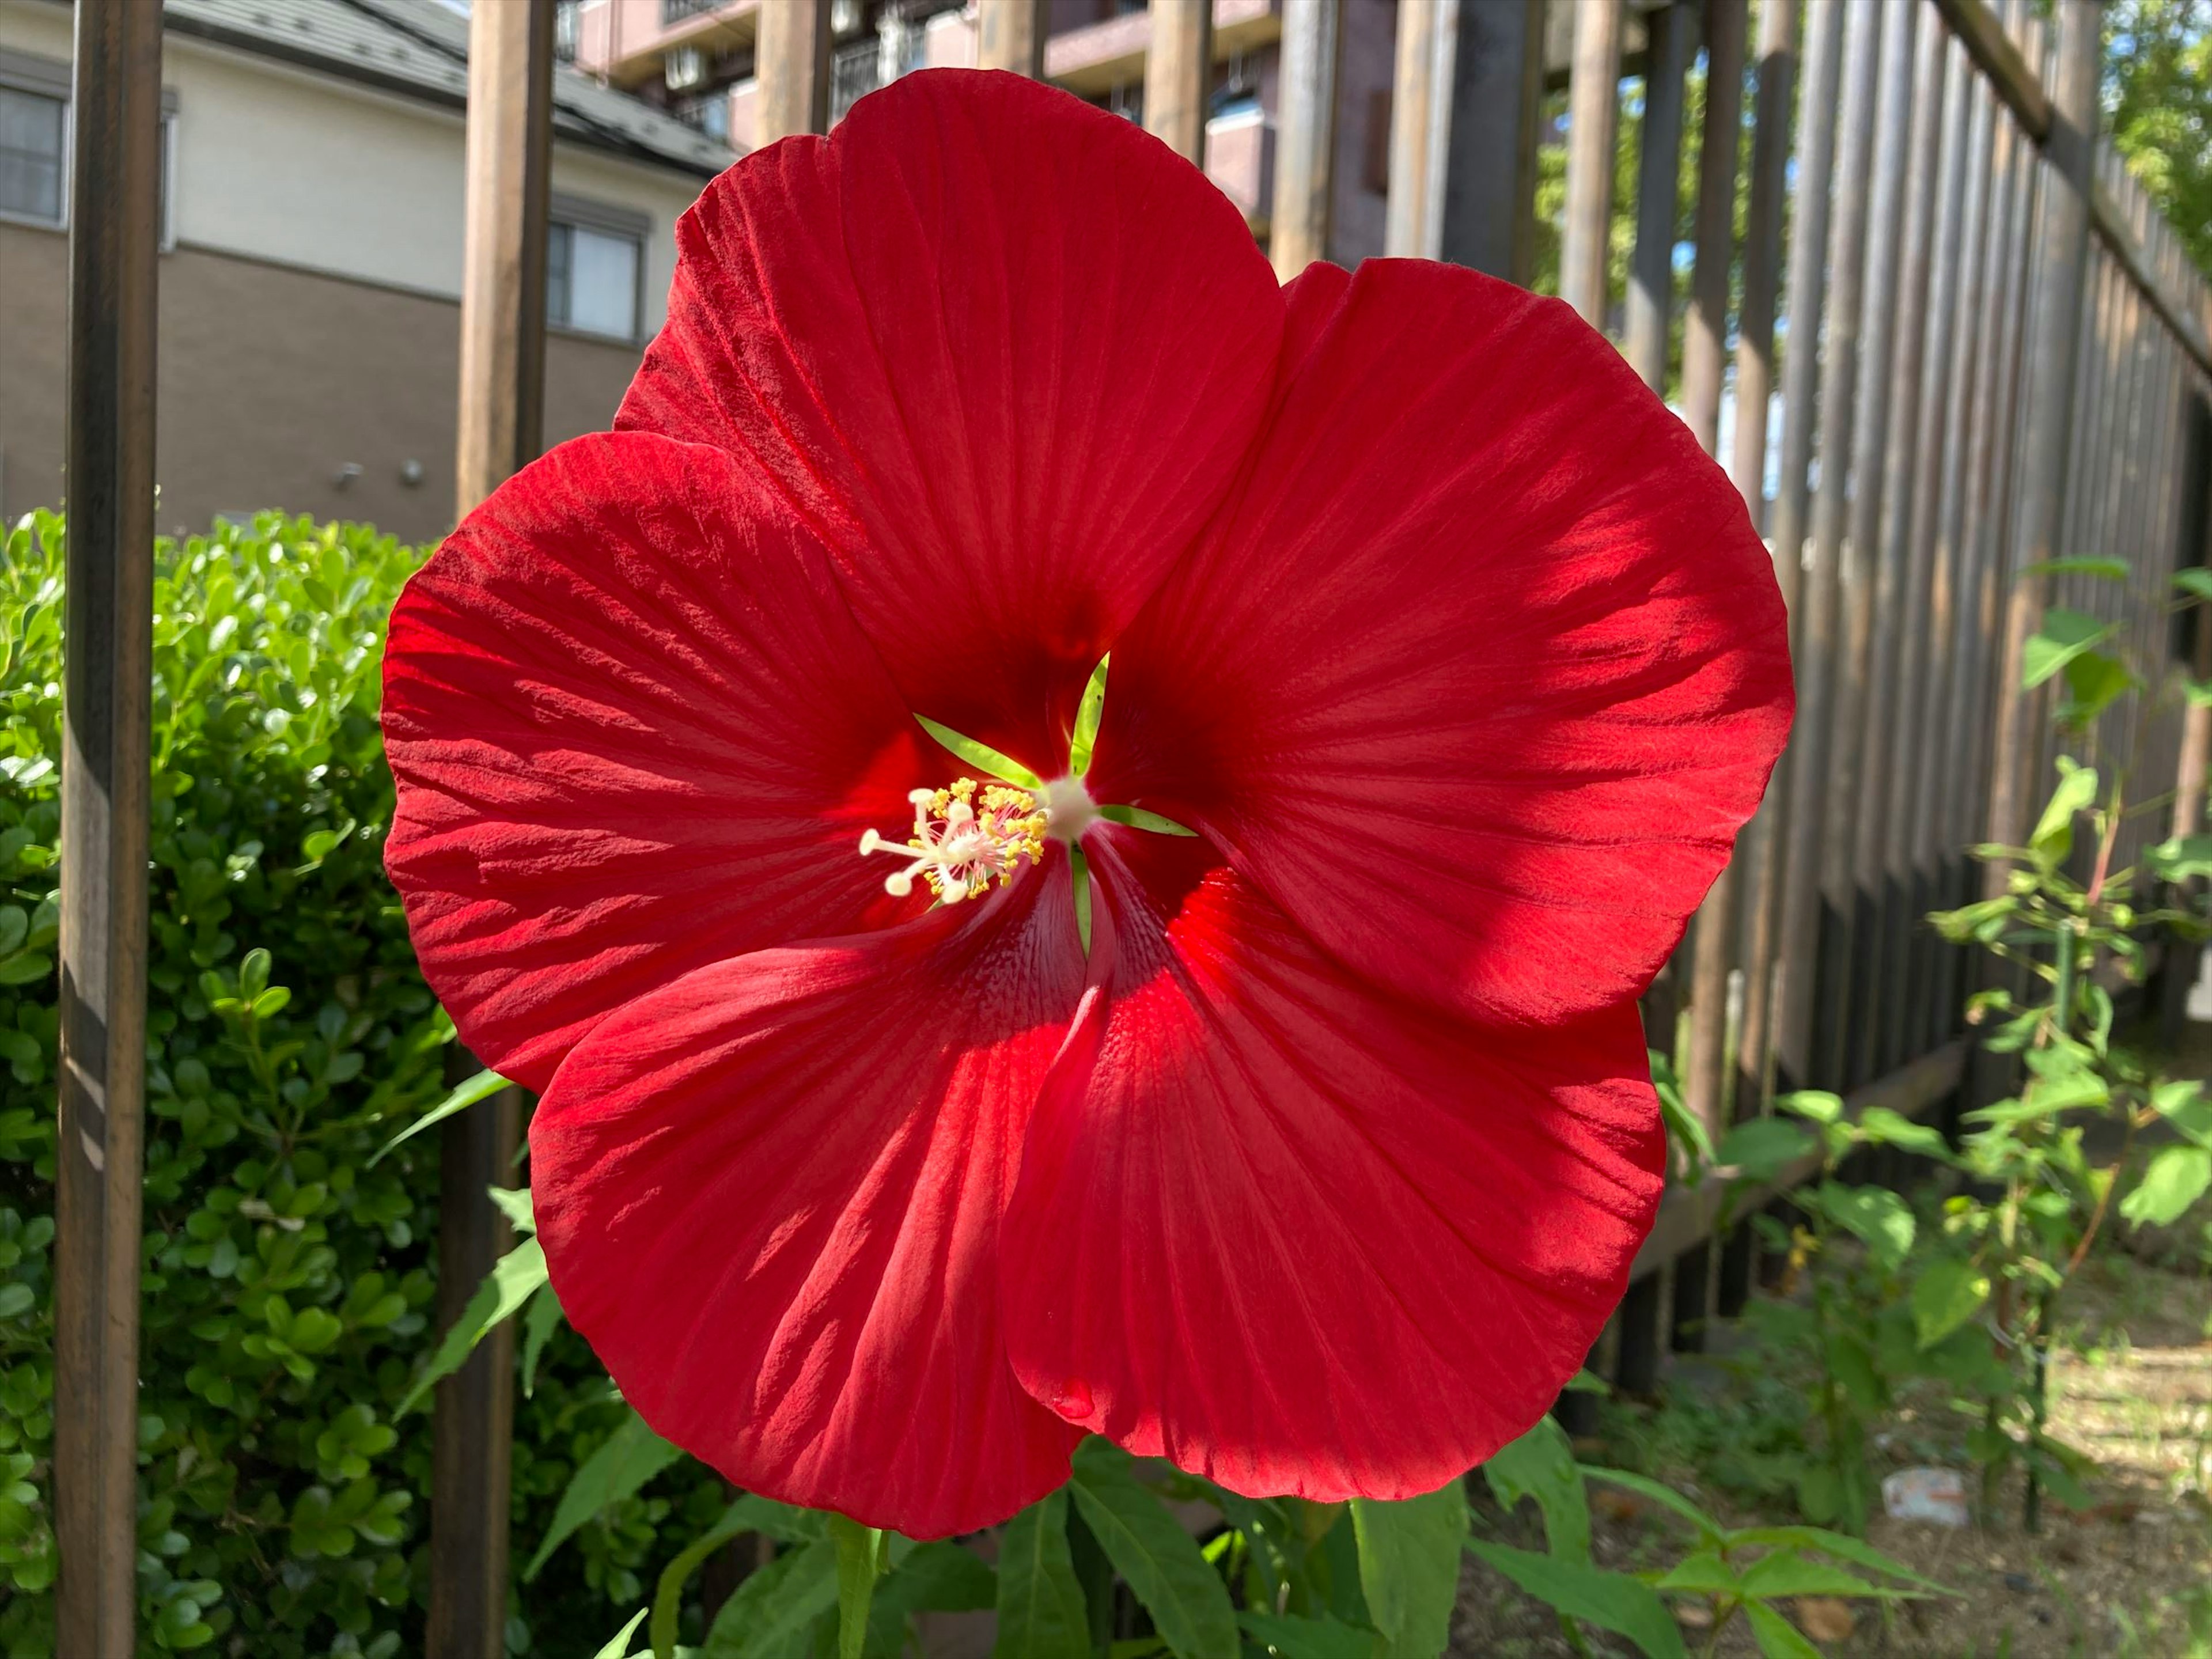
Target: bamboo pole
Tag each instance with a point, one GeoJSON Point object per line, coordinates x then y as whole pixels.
{"type": "Point", "coordinates": [791, 56]}
{"type": "Point", "coordinates": [1306, 136]}
{"type": "Point", "coordinates": [1420, 114]}
{"type": "Point", "coordinates": [1179, 76]}
{"type": "Point", "coordinates": [1650, 310]}
{"type": "Point", "coordinates": [106, 711]}
{"type": "Point", "coordinates": [1593, 129]}
{"type": "Point", "coordinates": [500, 429]}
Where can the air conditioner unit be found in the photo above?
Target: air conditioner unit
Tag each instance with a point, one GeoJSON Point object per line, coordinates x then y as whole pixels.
{"type": "Point", "coordinates": [683, 69]}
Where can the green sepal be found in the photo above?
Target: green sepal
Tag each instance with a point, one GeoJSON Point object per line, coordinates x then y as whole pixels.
{"type": "Point", "coordinates": [982, 756]}
{"type": "Point", "coordinates": [1136, 818]}
{"type": "Point", "coordinates": [1080, 868]}
{"type": "Point", "coordinates": [1087, 713]}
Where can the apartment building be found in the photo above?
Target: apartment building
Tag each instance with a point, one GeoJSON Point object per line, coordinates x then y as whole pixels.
{"type": "Point", "coordinates": [695, 59]}
{"type": "Point", "coordinates": [311, 267]}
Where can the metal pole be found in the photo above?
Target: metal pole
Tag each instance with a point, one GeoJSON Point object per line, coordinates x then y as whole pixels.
{"type": "Point", "coordinates": [1305, 136]}
{"type": "Point", "coordinates": [1179, 76]}
{"type": "Point", "coordinates": [2061, 253]}
{"type": "Point", "coordinates": [1010, 35]}
{"type": "Point", "coordinates": [1803, 893]}
{"type": "Point", "coordinates": [1651, 267]}
{"type": "Point", "coordinates": [1495, 117]}
{"type": "Point", "coordinates": [791, 57]}
{"type": "Point", "coordinates": [500, 429]}
{"type": "Point", "coordinates": [1593, 128]}
{"type": "Point", "coordinates": [1420, 112]}
{"type": "Point", "coordinates": [106, 711]}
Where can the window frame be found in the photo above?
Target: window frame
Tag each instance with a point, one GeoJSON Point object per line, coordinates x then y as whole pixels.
{"type": "Point", "coordinates": [43, 77]}
{"type": "Point", "coordinates": [580, 213]}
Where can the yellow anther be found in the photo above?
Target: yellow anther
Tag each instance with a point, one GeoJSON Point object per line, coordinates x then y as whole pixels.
{"type": "Point", "coordinates": [962, 842]}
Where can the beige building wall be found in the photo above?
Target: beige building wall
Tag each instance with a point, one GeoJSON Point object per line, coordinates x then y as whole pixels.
{"type": "Point", "coordinates": [310, 302]}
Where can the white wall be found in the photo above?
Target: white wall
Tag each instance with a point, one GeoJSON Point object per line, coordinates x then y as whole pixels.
{"type": "Point", "coordinates": [282, 164]}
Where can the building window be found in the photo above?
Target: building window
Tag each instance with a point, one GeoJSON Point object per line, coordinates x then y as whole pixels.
{"type": "Point", "coordinates": [591, 279]}
{"type": "Point", "coordinates": [32, 140]}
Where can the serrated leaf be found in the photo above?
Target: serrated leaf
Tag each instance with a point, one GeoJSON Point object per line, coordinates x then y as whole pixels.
{"type": "Point", "coordinates": [1878, 1217]}
{"type": "Point", "coordinates": [539, 1320]}
{"type": "Point", "coordinates": [1785, 1572]}
{"type": "Point", "coordinates": [1842, 1545]}
{"type": "Point", "coordinates": [1777, 1637]}
{"type": "Point", "coordinates": [1296, 1637]}
{"type": "Point", "coordinates": [2065, 635]}
{"type": "Point", "coordinates": [771, 1614]}
{"type": "Point", "coordinates": [1760, 1148]}
{"type": "Point", "coordinates": [1148, 1546]}
{"type": "Point", "coordinates": [1882, 1127]}
{"type": "Point", "coordinates": [982, 756]}
{"type": "Point", "coordinates": [1611, 1601]}
{"type": "Point", "coordinates": [624, 1461]}
{"type": "Point", "coordinates": [1041, 1609]}
{"type": "Point", "coordinates": [2175, 1179]}
{"type": "Point", "coordinates": [1709, 1530]}
{"type": "Point", "coordinates": [513, 1280]}
{"type": "Point", "coordinates": [2183, 1105]}
{"type": "Point", "coordinates": [1409, 1554]}
{"type": "Point", "coordinates": [1541, 1465]}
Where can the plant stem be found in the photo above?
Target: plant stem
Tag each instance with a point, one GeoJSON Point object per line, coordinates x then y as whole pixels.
{"type": "Point", "coordinates": [2038, 1392]}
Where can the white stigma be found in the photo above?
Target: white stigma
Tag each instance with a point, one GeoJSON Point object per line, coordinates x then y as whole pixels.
{"type": "Point", "coordinates": [963, 838]}
{"type": "Point", "coordinates": [1068, 810]}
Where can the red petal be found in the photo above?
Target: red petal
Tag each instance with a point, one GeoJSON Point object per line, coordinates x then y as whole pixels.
{"type": "Point", "coordinates": [1484, 669]}
{"type": "Point", "coordinates": [635, 732]}
{"type": "Point", "coordinates": [1296, 1236]}
{"type": "Point", "coordinates": [770, 1196]}
{"type": "Point", "coordinates": [1004, 350]}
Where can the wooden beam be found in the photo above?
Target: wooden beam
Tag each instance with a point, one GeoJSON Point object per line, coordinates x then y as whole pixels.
{"type": "Point", "coordinates": [1305, 136]}
{"type": "Point", "coordinates": [1179, 76]}
{"type": "Point", "coordinates": [791, 56]}
{"type": "Point", "coordinates": [107, 710]}
{"type": "Point", "coordinates": [1647, 333]}
{"type": "Point", "coordinates": [1593, 129]}
{"type": "Point", "coordinates": [500, 429]}
{"type": "Point", "coordinates": [1982, 33]}
{"type": "Point", "coordinates": [1010, 35]}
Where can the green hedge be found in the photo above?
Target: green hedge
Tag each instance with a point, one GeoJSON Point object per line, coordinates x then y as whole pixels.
{"type": "Point", "coordinates": [287, 1286]}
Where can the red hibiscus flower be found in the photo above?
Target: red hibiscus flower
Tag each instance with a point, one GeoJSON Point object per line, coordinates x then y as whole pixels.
{"type": "Point", "coordinates": [1320, 1168]}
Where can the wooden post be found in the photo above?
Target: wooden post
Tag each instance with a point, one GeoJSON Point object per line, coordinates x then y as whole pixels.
{"type": "Point", "coordinates": [1495, 117]}
{"type": "Point", "coordinates": [1420, 95]}
{"type": "Point", "coordinates": [500, 429]}
{"type": "Point", "coordinates": [1650, 310]}
{"type": "Point", "coordinates": [1009, 35]}
{"type": "Point", "coordinates": [791, 55]}
{"type": "Point", "coordinates": [2061, 255]}
{"type": "Point", "coordinates": [1593, 129]}
{"type": "Point", "coordinates": [1305, 136]}
{"type": "Point", "coordinates": [1179, 76]}
{"type": "Point", "coordinates": [106, 709]}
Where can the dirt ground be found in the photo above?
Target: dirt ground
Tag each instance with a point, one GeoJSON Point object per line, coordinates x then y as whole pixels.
{"type": "Point", "coordinates": [2132, 1576]}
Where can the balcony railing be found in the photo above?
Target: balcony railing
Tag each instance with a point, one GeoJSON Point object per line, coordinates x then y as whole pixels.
{"type": "Point", "coordinates": [675, 11]}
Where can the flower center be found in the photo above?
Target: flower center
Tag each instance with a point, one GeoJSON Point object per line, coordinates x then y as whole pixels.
{"type": "Point", "coordinates": [965, 836]}
{"type": "Point", "coordinates": [1068, 810]}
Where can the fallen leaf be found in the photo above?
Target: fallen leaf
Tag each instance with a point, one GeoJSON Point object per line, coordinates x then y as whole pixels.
{"type": "Point", "coordinates": [1824, 1619]}
{"type": "Point", "coordinates": [1697, 1615]}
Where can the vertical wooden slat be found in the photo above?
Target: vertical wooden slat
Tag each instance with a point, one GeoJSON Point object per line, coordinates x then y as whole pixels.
{"type": "Point", "coordinates": [1880, 904]}
{"type": "Point", "coordinates": [1179, 76]}
{"type": "Point", "coordinates": [1305, 136]}
{"type": "Point", "coordinates": [1593, 129]}
{"type": "Point", "coordinates": [1842, 976]}
{"type": "Point", "coordinates": [1421, 116]}
{"type": "Point", "coordinates": [106, 709]}
{"type": "Point", "coordinates": [1010, 35]}
{"type": "Point", "coordinates": [1804, 898]}
{"type": "Point", "coordinates": [1494, 112]}
{"type": "Point", "coordinates": [2061, 248]}
{"type": "Point", "coordinates": [1650, 311]}
{"type": "Point", "coordinates": [500, 429]}
{"type": "Point", "coordinates": [1705, 345]}
{"type": "Point", "coordinates": [791, 56]}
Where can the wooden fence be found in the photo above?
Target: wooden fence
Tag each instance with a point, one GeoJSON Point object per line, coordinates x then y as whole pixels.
{"type": "Point", "coordinates": [1990, 354]}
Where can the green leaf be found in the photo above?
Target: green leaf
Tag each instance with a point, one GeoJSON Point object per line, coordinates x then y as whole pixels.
{"type": "Point", "coordinates": [1885, 1127]}
{"type": "Point", "coordinates": [1409, 1554]}
{"type": "Point", "coordinates": [2184, 1105]}
{"type": "Point", "coordinates": [1785, 1572]}
{"type": "Point", "coordinates": [1137, 818]}
{"type": "Point", "coordinates": [1541, 1465]}
{"type": "Point", "coordinates": [751, 1513]}
{"type": "Point", "coordinates": [1040, 1610]}
{"type": "Point", "coordinates": [2095, 682]}
{"type": "Point", "coordinates": [1078, 870]}
{"type": "Point", "coordinates": [982, 756]}
{"type": "Point", "coordinates": [2175, 1179]}
{"type": "Point", "coordinates": [1949, 1292]}
{"type": "Point", "coordinates": [1760, 1148]}
{"type": "Point", "coordinates": [771, 1614]}
{"type": "Point", "coordinates": [2182, 858]}
{"type": "Point", "coordinates": [482, 1086]}
{"type": "Point", "coordinates": [1087, 714]}
{"type": "Point", "coordinates": [2053, 838]}
{"type": "Point", "coordinates": [619, 1648]}
{"type": "Point", "coordinates": [2195, 581]}
{"type": "Point", "coordinates": [1611, 1601]}
{"type": "Point", "coordinates": [1882, 1221]}
{"type": "Point", "coordinates": [1777, 1637]}
{"type": "Point", "coordinates": [1842, 1545]}
{"type": "Point", "coordinates": [1701, 1572]}
{"type": "Point", "coordinates": [1817, 1105]}
{"type": "Point", "coordinates": [1709, 1531]}
{"type": "Point", "coordinates": [514, 1203]}
{"type": "Point", "coordinates": [2105, 569]}
{"type": "Point", "coordinates": [2065, 635]}
{"type": "Point", "coordinates": [513, 1280]}
{"type": "Point", "coordinates": [1296, 1637]}
{"type": "Point", "coordinates": [1148, 1546]}
{"type": "Point", "coordinates": [624, 1461]}
{"type": "Point", "coordinates": [860, 1561]}
{"type": "Point", "coordinates": [539, 1320]}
